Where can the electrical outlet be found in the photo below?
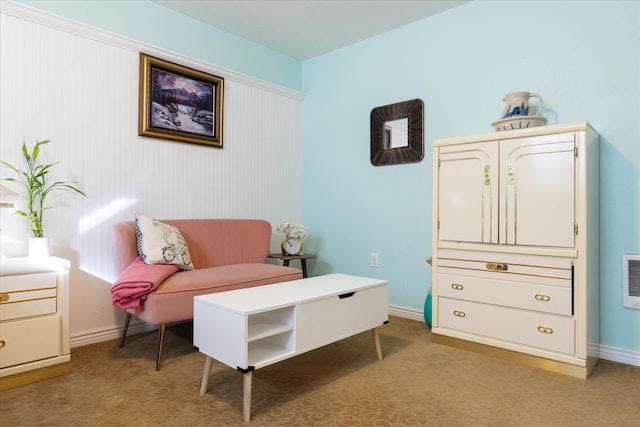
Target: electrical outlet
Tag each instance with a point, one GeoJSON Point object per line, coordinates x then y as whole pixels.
{"type": "Point", "coordinates": [375, 261]}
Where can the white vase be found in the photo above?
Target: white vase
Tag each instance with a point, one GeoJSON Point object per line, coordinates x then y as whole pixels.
{"type": "Point", "coordinates": [38, 247]}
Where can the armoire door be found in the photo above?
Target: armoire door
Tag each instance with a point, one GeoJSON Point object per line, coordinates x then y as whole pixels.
{"type": "Point", "coordinates": [468, 193]}
{"type": "Point", "coordinates": [538, 194]}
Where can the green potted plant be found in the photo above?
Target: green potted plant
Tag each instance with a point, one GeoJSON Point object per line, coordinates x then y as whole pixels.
{"type": "Point", "coordinates": [34, 180]}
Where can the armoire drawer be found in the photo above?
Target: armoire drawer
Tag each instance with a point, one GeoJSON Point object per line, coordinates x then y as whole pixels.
{"type": "Point", "coordinates": [534, 329]}
{"type": "Point", "coordinates": [531, 269]}
{"type": "Point", "coordinates": [510, 293]}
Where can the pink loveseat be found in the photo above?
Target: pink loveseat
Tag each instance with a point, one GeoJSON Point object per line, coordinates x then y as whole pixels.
{"type": "Point", "coordinates": [227, 254]}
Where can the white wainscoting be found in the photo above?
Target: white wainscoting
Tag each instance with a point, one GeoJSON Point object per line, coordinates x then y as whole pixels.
{"type": "Point", "coordinates": [78, 86]}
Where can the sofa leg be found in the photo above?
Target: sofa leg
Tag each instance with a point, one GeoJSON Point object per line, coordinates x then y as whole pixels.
{"type": "Point", "coordinates": [160, 344]}
{"type": "Point", "coordinates": [124, 328]}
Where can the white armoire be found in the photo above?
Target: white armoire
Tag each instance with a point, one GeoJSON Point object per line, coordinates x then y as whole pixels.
{"type": "Point", "coordinates": [515, 245]}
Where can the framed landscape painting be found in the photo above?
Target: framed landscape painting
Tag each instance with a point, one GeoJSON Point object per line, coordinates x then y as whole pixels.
{"type": "Point", "coordinates": [179, 103]}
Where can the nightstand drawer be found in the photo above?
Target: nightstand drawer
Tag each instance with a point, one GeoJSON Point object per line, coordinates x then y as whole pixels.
{"type": "Point", "coordinates": [28, 304]}
{"type": "Point", "coordinates": [28, 340]}
{"type": "Point", "coordinates": [28, 295]}
{"type": "Point", "coordinates": [544, 298]}
{"type": "Point", "coordinates": [545, 331]}
{"type": "Point", "coordinates": [27, 281]}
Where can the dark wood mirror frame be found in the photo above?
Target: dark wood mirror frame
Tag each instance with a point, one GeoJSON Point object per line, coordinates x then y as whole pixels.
{"type": "Point", "coordinates": [381, 154]}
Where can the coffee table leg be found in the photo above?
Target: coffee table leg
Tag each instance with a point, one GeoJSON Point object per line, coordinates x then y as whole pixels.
{"type": "Point", "coordinates": [205, 376]}
{"type": "Point", "coordinates": [376, 339]}
{"type": "Point", "coordinates": [246, 404]}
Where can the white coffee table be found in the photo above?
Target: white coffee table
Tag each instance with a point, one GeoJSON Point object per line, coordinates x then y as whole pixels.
{"type": "Point", "coordinates": [248, 329]}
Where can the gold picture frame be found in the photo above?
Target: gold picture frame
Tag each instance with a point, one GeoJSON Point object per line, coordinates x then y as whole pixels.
{"type": "Point", "coordinates": [179, 103]}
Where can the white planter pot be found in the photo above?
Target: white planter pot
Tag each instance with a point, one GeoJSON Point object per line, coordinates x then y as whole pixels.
{"type": "Point", "coordinates": [38, 247]}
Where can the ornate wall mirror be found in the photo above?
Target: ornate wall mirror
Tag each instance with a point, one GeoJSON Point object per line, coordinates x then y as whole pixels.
{"type": "Point", "coordinates": [397, 133]}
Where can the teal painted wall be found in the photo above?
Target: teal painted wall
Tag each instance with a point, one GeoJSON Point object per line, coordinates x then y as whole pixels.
{"type": "Point", "coordinates": [582, 57]}
{"type": "Point", "coordinates": [156, 25]}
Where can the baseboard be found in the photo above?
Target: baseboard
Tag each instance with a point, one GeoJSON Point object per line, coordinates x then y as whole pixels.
{"type": "Point", "coordinates": [406, 313]}
{"type": "Point", "coordinates": [100, 335]}
{"type": "Point", "coordinates": [620, 355]}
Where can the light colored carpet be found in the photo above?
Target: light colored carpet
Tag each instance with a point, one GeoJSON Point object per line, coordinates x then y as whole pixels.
{"type": "Point", "coordinates": [417, 384]}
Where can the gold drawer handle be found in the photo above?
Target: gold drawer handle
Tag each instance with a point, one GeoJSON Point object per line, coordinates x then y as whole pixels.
{"type": "Point", "coordinates": [4, 297]}
{"type": "Point", "coordinates": [511, 174]}
{"type": "Point", "coordinates": [457, 286]}
{"type": "Point", "coordinates": [494, 266]}
{"type": "Point", "coordinates": [459, 313]}
{"type": "Point", "coordinates": [542, 297]}
{"type": "Point", "coordinates": [2, 343]}
{"type": "Point", "coordinates": [545, 330]}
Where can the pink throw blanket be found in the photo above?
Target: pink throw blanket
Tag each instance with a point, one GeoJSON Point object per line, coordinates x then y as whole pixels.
{"type": "Point", "coordinates": [137, 281]}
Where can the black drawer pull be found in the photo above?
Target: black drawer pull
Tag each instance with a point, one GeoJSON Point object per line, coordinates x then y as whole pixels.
{"type": "Point", "coordinates": [347, 295]}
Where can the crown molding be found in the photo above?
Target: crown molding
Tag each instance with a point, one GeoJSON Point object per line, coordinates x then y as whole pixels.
{"type": "Point", "coordinates": [41, 17]}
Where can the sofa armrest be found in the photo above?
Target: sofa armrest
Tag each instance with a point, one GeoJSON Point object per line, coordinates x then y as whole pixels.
{"type": "Point", "coordinates": [126, 246]}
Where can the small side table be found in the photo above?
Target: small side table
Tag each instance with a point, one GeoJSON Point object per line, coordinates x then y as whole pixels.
{"type": "Point", "coordinates": [34, 326]}
{"type": "Point", "coordinates": [286, 258]}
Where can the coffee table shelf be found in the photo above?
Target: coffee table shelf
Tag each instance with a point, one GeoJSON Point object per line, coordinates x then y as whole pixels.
{"type": "Point", "coordinates": [262, 352]}
{"type": "Point", "coordinates": [263, 325]}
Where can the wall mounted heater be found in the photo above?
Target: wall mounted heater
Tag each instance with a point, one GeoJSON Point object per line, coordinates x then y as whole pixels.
{"type": "Point", "coordinates": [631, 281]}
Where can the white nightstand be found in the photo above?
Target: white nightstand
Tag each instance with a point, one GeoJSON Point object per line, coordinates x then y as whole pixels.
{"type": "Point", "coordinates": [34, 320]}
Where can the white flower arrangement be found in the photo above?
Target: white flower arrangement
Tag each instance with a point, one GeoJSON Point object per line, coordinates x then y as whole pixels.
{"type": "Point", "coordinates": [290, 229]}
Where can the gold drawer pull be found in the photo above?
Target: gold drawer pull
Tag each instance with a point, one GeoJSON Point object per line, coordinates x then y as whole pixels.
{"type": "Point", "coordinates": [487, 175]}
{"type": "Point", "coordinates": [511, 174]}
{"type": "Point", "coordinates": [2, 343]}
{"type": "Point", "coordinates": [494, 266]}
{"type": "Point", "coordinates": [4, 297]}
{"type": "Point", "coordinates": [545, 330]}
{"type": "Point", "coordinates": [459, 313]}
{"type": "Point", "coordinates": [542, 297]}
{"type": "Point", "coordinates": [457, 286]}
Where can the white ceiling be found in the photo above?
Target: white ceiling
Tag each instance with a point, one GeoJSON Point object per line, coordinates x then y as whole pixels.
{"type": "Point", "coordinates": [307, 28]}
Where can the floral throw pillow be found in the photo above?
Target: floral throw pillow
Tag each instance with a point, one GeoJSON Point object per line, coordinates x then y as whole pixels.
{"type": "Point", "coordinates": [160, 243]}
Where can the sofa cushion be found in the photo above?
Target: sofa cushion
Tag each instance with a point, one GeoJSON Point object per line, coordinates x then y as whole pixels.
{"type": "Point", "coordinates": [160, 243]}
{"type": "Point", "coordinates": [172, 301]}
